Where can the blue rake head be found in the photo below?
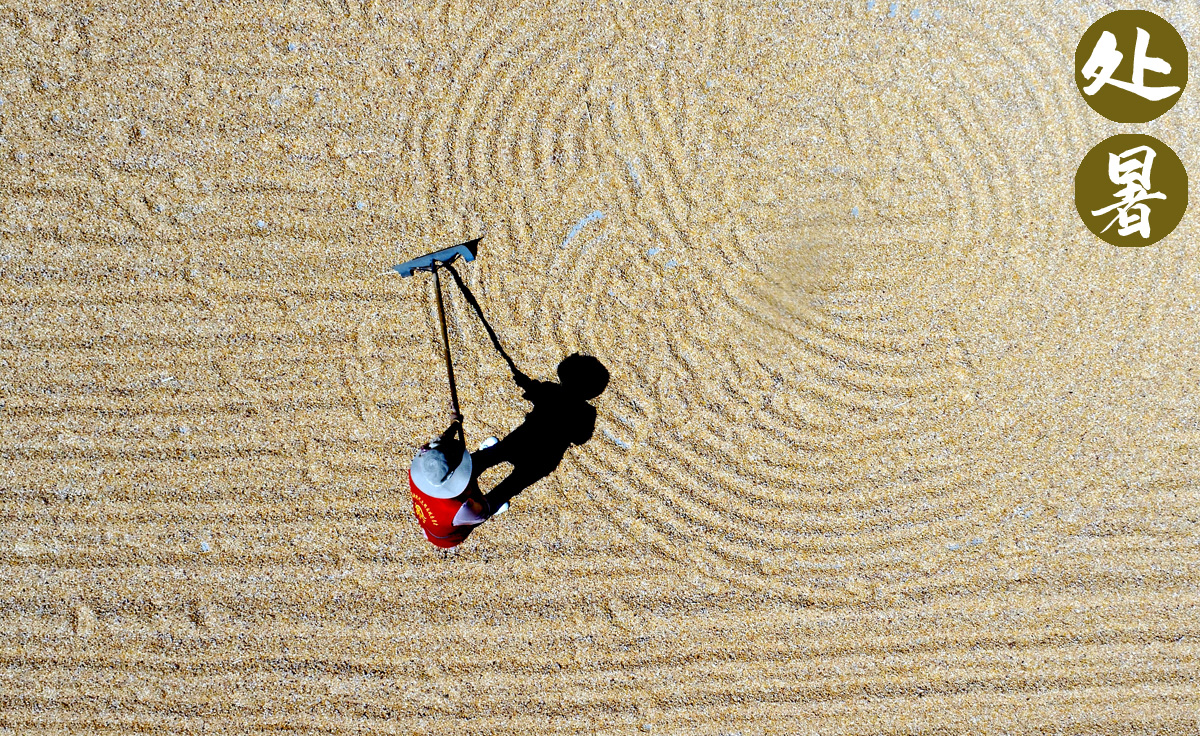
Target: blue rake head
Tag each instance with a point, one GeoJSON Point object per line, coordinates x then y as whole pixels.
{"type": "Point", "coordinates": [427, 262]}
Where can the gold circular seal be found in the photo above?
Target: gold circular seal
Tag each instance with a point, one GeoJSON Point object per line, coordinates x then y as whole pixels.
{"type": "Point", "coordinates": [1131, 66]}
{"type": "Point", "coordinates": [1131, 189]}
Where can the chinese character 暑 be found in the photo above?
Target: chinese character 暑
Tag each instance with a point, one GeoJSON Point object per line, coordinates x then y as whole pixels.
{"type": "Point", "coordinates": [1105, 59]}
{"type": "Point", "coordinates": [1133, 175]}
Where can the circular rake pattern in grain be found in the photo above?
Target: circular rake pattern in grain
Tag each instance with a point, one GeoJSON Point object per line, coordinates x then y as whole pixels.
{"type": "Point", "coordinates": [839, 364]}
{"type": "Point", "coordinates": [758, 427]}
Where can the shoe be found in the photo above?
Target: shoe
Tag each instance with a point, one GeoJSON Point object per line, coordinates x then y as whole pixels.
{"type": "Point", "coordinates": [488, 443]}
{"type": "Point", "coordinates": [501, 510]}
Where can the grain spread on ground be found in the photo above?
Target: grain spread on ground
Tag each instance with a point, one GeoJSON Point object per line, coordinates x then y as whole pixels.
{"type": "Point", "coordinates": [892, 443]}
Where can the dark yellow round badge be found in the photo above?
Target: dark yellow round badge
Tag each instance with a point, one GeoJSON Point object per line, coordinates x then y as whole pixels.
{"type": "Point", "coordinates": [1131, 66]}
{"type": "Point", "coordinates": [1131, 189]}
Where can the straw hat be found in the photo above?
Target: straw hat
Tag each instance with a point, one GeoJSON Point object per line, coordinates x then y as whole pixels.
{"type": "Point", "coordinates": [434, 476]}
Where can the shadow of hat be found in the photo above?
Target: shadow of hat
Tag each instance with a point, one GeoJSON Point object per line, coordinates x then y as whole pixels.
{"type": "Point", "coordinates": [583, 375]}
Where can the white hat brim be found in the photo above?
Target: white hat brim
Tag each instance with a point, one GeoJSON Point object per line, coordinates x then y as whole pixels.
{"type": "Point", "coordinates": [454, 485]}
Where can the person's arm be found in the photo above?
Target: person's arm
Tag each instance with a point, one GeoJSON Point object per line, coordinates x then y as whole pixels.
{"type": "Point", "coordinates": [455, 428]}
{"type": "Point", "coordinates": [473, 511]}
{"type": "Point", "coordinates": [447, 436]}
{"type": "Point", "coordinates": [537, 391]}
{"type": "Point", "coordinates": [477, 507]}
{"type": "Point", "coordinates": [533, 390]}
{"type": "Point", "coordinates": [523, 381]}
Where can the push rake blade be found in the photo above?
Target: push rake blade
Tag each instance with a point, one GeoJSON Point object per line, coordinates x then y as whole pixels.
{"type": "Point", "coordinates": [465, 251]}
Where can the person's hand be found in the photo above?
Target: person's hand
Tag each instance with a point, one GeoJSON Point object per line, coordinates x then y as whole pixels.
{"type": "Point", "coordinates": [453, 429]}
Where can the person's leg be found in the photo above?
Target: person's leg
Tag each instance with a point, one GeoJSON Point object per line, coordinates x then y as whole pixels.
{"type": "Point", "coordinates": [483, 459]}
{"type": "Point", "coordinates": [518, 480]}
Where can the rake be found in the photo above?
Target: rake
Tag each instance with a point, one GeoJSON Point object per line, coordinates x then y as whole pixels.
{"type": "Point", "coordinates": [433, 262]}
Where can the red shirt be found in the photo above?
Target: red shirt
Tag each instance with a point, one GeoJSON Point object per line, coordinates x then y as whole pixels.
{"type": "Point", "coordinates": [436, 515]}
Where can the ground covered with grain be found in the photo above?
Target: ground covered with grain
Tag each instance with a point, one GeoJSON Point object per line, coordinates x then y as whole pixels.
{"type": "Point", "coordinates": [893, 445]}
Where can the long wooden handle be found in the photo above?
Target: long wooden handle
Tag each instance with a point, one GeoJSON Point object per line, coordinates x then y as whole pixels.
{"type": "Point", "coordinates": [437, 286]}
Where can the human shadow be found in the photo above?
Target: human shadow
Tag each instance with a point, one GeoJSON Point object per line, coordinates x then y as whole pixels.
{"type": "Point", "coordinates": [560, 418]}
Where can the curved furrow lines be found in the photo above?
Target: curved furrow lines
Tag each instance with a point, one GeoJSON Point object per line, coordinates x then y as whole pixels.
{"type": "Point", "coordinates": [866, 344]}
{"type": "Point", "coordinates": [1058, 126]}
{"type": "Point", "coordinates": [829, 347]}
{"type": "Point", "coordinates": [544, 191]}
{"type": "Point", "coordinates": [498, 94]}
{"type": "Point", "coordinates": [571, 311]}
{"type": "Point", "coordinates": [555, 165]}
{"type": "Point", "coordinates": [861, 355]}
{"type": "Point", "coordinates": [1008, 181]}
{"type": "Point", "coordinates": [678, 113]}
{"type": "Point", "coordinates": [491, 53]}
{"type": "Point", "coordinates": [521, 100]}
{"type": "Point", "coordinates": [638, 148]}
{"type": "Point", "coordinates": [716, 495]}
{"type": "Point", "coordinates": [948, 154]}
{"type": "Point", "coordinates": [773, 488]}
{"type": "Point", "coordinates": [654, 127]}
